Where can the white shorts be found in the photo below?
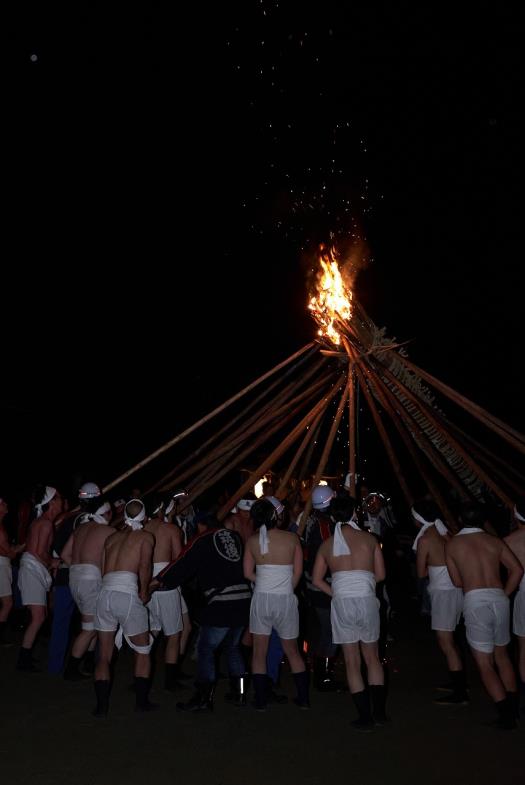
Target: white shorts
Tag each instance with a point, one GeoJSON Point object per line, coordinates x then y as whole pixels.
{"type": "Point", "coordinates": [34, 581]}
{"type": "Point", "coordinates": [85, 593]}
{"type": "Point", "coordinates": [518, 617]}
{"type": "Point", "coordinates": [355, 619]}
{"type": "Point", "coordinates": [278, 611]}
{"type": "Point", "coordinates": [6, 577]}
{"type": "Point", "coordinates": [165, 611]}
{"type": "Point", "coordinates": [446, 605]}
{"type": "Point", "coordinates": [487, 619]}
{"type": "Point", "coordinates": [118, 607]}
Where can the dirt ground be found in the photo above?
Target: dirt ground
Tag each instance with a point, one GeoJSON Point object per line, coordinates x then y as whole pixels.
{"type": "Point", "coordinates": [49, 736]}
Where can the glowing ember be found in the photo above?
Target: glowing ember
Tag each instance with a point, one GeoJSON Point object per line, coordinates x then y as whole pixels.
{"type": "Point", "coordinates": [333, 300]}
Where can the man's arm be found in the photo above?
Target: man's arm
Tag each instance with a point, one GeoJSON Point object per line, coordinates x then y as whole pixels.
{"type": "Point", "coordinates": [176, 542]}
{"type": "Point", "coordinates": [452, 568]}
{"type": "Point", "coordinates": [67, 551]}
{"type": "Point", "coordinates": [422, 558]}
{"type": "Point", "coordinates": [514, 568]}
{"type": "Point", "coordinates": [319, 571]}
{"type": "Point", "coordinates": [184, 568]}
{"type": "Point", "coordinates": [297, 562]}
{"type": "Point", "coordinates": [145, 565]}
{"type": "Point", "coordinates": [379, 564]}
{"type": "Point", "coordinates": [248, 563]}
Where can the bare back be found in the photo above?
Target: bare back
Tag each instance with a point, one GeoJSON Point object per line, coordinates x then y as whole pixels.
{"type": "Point", "coordinates": [516, 542]}
{"type": "Point", "coordinates": [365, 553]}
{"type": "Point", "coordinates": [168, 540]}
{"type": "Point", "coordinates": [88, 543]}
{"type": "Point", "coordinates": [123, 551]}
{"type": "Point", "coordinates": [39, 539]}
{"type": "Point", "coordinates": [281, 547]}
{"type": "Point", "coordinates": [474, 560]}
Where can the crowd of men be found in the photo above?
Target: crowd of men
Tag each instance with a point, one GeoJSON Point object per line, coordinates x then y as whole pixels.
{"type": "Point", "coordinates": [257, 585]}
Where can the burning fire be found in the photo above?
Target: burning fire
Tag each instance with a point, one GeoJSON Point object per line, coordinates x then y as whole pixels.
{"type": "Point", "coordinates": [333, 300]}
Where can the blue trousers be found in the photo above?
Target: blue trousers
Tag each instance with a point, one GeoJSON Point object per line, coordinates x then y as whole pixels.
{"type": "Point", "coordinates": [63, 608]}
{"type": "Point", "coordinates": [274, 657]}
{"type": "Point", "coordinates": [210, 639]}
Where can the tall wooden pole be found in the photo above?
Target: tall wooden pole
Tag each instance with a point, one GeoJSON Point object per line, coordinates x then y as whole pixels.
{"type": "Point", "coordinates": [208, 417]}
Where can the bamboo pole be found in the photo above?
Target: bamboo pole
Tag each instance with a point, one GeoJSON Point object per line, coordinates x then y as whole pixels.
{"type": "Point", "coordinates": [351, 420]}
{"type": "Point", "coordinates": [267, 464]}
{"type": "Point", "coordinates": [512, 436]}
{"type": "Point", "coordinates": [208, 417]}
{"type": "Point", "coordinates": [430, 415]}
{"type": "Point", "coordinates": [279, 418]}
{"type": "Point", "coordinates": [251, 426]}
{"type": "Point", "coordinates": [433, 488]}
{"type": "Point", "coordinates": [324, 457]}
{"type": "Point", "coordinates": [422, 441]}
{"type": "Point", "coordinates": [216, 435]}
{"type": "Point", "coordinates": [386, 440]}
{"type": "Point", "coordinates": [311, 430]}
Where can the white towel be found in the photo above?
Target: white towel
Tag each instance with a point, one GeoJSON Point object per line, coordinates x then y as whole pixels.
{"type": "Point", "coordinates": [353, 583]}
{"type": "Point", "coordinates": [274, 578]}
{"type": "Point", "coordinates": [341, 547]}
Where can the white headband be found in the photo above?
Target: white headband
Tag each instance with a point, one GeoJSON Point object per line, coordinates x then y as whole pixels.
{"type": "Point", "coordinates": [518, 516]}
{"type": "Point", "coordinates": [136, 522]}
{"type": "Point", "coordinates": [97, 516]}
{"type": "Point", "coordinates": [245, 504]}
{"type": "Point", "coordinates": [438, 523]}
{"type": "Point", "coordinates": [49, 494]}
{"type": "Point", "coordinates": [341, 547]}
{"type": "Point", "coordinates": [263, 539]}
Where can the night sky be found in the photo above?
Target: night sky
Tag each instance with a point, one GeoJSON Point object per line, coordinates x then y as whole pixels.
{"type": "Point", "coordinates": [183, 168]}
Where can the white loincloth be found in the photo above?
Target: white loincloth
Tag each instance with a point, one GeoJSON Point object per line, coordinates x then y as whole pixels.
{"type": "Point", "coordinates": [446, 599]}
{"type": "Point", "coordinates": [6, 577]}
{"type": "Point", "coordinates": [34, 580]}
{"type": "Point", "coordinates": [274, 603]}
{"type": "Point", "coordinates": [354, 611]}
{"type": "Point", "coordinates": [119, 606]}
{"type": "Point", "coordinates": [85, 582]}
{"type": "Point", "coordinates": [165, 607]}
{"type": "Point", "coordinates": [518, 616]}
{"type": "Point", "coordinates": [487, 619]}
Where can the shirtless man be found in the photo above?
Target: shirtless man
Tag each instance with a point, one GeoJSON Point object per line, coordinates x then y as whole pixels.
{"type": "Point", "coordinates": [446, 599]}
{"type": "Point", "coordinates": [355, 561]}
{"type": "Point", "coordinates": [273, 561]}
{"type": "Point", "coordinates": [83, 553]}
{"type": "Point", "coordinates": [34, 577]}
{"type": "Point", "coordinates": [7, 552]}
{"type": "Point", "coordinates": [126, 571]}
{"type": "Point", "coordinates": [474, 559]}
{"type": "Point", "coordinates": [516, 542]}
{"type": "Point", "coordinates": [241, 521]}
{"type": "Point", "coordinates": [165, 608]}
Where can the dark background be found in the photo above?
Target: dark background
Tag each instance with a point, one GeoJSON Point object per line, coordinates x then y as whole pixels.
{"type": "Point", "coordinates": [169, 176]}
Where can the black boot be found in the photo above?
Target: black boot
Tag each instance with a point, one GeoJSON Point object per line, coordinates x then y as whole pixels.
{"type": "Point", "coordinates": [459, 695]}
{"type": "Point", "coordinates": [26, 662]}
{"type": "Point", "coordinates": [201, 700]}
{"type": "Point", "coordinates": [3, 640]}
{"type": "Point", "coordinates": [142, 687]}
{"type": "Point", "coordinates": [378, 697]}
{"type": "Point", "coordinates": [180, 673]}
{"type": "Point", "coordinates": [172, 676]}
{"type": "Point", "coordinates": [513, 699]}
{"type": "Point", "coordinates": [88, 663]}
{"type": "Point", "coordinates": [362, 703]}
{"type": "Point", "coordinates": [271, 695]}
{"type": "Point", "coordinates": [506, 719]}
{"type": "Point", "coordinates": [72, 670]}
{"type": "Point", "coordinates": [102, 693]}
{"type": "Point", "coordinates": [259, 686]}
{"type": "Point", "coordinates": [238, 690]}
{"type": "Point", "coordinates": [301, 685]}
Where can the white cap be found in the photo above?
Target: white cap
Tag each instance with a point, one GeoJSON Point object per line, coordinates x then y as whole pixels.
{"type": "Point", "coordinates": [245, 504]}
{"type": "Point", "coordinates": [89, 490]}
{"type": "Point", "coordinates": [279, 506]}
{"type": "Point", "coordinates": [322, 496]}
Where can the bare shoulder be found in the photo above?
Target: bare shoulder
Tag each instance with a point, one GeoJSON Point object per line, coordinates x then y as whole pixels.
{"type": "Point", "coordinates": [147, 536]}
{"type": "Point", "coordinates": [252, 541]}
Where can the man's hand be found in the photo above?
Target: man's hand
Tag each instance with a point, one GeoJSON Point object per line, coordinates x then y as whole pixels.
{"type": "Point", "coordinates": [154, 585]}
{"type": "Point", "coordinates": [144, 596]}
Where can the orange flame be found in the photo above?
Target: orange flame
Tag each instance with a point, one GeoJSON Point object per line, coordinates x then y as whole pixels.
{"type": "Point", "coordinates": [333, 300]}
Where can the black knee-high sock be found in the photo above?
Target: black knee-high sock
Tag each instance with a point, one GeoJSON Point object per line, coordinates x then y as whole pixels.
{"type": "Point", "coordinates": [362, 704]}
{"type": "Point", "coordinates": [102, 695]}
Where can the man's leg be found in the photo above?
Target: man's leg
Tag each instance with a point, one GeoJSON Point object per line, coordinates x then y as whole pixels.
{"type": "Point", "coordinates": [80, 646]}
{"type": "Point", "coordinates": [142, 670]}
{"type": "Point", "coordinates": [37, 617]}
{"type": "Point", "coordinates": [507, 676]}
{"type": "Point", "coordinates": [6, 604]}
{"type": "Point", "coordinates": [260, 651]}
{"type": "Point", "coordinates": [495, 688]}
{"type": "Point", "coordinates": [106, 641]}
{"type": "Point", "coordinates": [299, 671]}
{"type": "Point", "coordinates": [376, 680]}
{"type": "Point", "coordinates": [209, 640]}
{"type": "Point", "coordinates": [360, 695]}
{"type": "Point", "coordinates": [452, 654]}
{"type": "Point", "coordinates": [236, 667]}
{"type": "Point", "coordinates": [63, 610]}
{"type": "Point", "coordinates": [521, 665]}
